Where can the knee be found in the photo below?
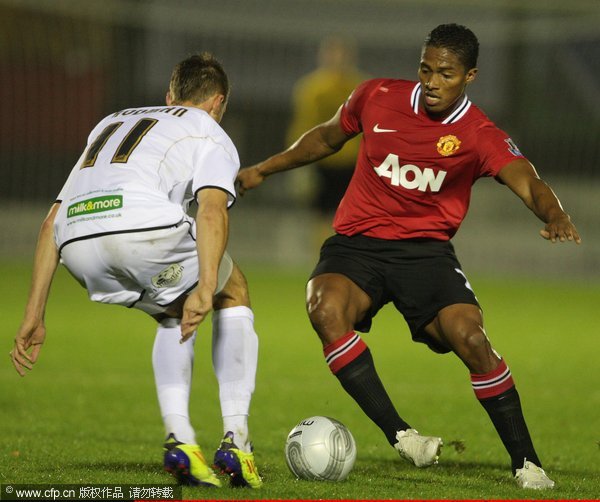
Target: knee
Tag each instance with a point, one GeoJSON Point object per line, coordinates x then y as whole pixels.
{"type": "Point", "coordinates": [461, 328]}
{"type": "Point", "coordinates": [238, 288]}
{"type": "Point", "coordinates": [325, 316]}
{"type": "Point", "coordinates": [475, 350]}
{"type": "Point", "coordinates": [470, 340]}
{"type": "Point", "coordinates": [320, 311]}
{"type": "Point", "coordinates": [334, 305]}
{"type": "Point", "coordinates": [235, 291]}
{"type": "Point", "coordinates": [473, 338]}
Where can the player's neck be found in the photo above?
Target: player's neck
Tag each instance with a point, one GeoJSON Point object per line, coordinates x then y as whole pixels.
{"type": "Point", "coordinates": [440, 116]}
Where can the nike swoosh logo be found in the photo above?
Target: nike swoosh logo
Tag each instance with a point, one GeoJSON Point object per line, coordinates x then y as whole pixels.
{"type": "Point", "coordinates": [378, 129]}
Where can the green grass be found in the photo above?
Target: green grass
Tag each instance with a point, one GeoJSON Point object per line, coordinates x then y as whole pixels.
{"type": "Point", "coordinates": [87, 413]}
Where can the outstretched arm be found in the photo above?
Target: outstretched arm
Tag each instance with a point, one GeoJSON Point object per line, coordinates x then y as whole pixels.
{"type": "Point", "coordinates": [32, 331]}
{"type": "Point", "coordinates": [212, 226]}
{"type": "Point", "coordinates": [315, 144]}
{"type": "Point", "coordinates": [521, 177]}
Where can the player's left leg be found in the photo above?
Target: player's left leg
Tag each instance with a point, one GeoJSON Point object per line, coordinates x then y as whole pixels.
{"type": "Point", "coordinates": [235, 356]}
{"type": "Point", "coordinates": [172, 363]}
{"type": "Point", "coordinates": [460, 328]}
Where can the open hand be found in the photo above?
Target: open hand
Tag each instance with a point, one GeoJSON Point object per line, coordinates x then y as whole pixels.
{"type": "Point", "coordinates": [560, 230]}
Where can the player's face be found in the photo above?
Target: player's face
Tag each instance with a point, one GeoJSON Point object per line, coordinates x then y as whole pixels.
{"type": "Point", "coordinates": [443, 80]}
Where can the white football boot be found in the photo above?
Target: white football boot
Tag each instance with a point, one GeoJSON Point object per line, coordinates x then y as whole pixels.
{"type": "Point", "coordinates": [422, 451]}
{"type": "Point", "coordinates": [533, 477]}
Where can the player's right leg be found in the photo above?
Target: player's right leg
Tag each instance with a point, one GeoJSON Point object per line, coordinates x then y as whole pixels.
{"type": "Point", "coordinates": [335, 305]}
{"type": "Point", "coordinates": [235, 356]}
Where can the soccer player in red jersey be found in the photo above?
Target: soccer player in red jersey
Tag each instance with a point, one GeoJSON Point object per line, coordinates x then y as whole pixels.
{"type": "Point", "coordinates": [423, 146]}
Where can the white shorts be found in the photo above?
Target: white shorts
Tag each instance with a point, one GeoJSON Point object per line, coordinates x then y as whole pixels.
{"type": "Point", "coordinates": [145, 270]}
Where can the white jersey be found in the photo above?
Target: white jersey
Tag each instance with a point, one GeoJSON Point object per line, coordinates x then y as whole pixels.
{"type": "Point", "coordinates": [140, 170]}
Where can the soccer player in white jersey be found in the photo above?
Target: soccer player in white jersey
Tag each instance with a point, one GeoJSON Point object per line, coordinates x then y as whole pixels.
{"type": "Point", "coordinates": [120, 226]}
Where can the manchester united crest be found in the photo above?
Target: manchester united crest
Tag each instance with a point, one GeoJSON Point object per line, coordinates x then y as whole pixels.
{"type": "Point", "coordinates": [448, 145]}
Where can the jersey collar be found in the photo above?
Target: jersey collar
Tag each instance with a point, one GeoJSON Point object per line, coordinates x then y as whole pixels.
{"type": "Point", "coordinates": [454, 117]}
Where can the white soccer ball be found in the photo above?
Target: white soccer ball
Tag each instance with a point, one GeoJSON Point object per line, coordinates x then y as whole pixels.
{"type": "Point", "coordinates": [320, 448]}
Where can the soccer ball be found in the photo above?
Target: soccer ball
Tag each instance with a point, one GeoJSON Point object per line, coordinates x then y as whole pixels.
{"type": "Point", "coordinates": [320, 448]}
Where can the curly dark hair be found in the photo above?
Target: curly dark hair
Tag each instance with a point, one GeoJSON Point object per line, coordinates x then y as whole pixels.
{"type": "Point", "coordinates": [197, 78]}
{"type": "Point", "coordinates": [458, 39]}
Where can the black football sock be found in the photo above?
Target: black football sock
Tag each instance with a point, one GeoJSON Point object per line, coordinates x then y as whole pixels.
{"type": "Point", "coordinates": [350, 360]}
{"type": "Point", "coordinates": [499, 397]}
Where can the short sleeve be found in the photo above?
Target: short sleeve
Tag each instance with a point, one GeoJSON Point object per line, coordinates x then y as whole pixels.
{"type": "Point", "coordinates": [496, 150]}
{"type": "Point", "coordinates": [64, 192]}
{"type": "Point", "coordinates": [350, 119]}
{"type": "Point", "coordinates": [216, 164]}
{"type": "Point", "coordinates": [74, 172]}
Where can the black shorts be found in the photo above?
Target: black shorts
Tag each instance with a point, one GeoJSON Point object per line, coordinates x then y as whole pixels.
{"type": "Point", "coordinates": [419, 276]}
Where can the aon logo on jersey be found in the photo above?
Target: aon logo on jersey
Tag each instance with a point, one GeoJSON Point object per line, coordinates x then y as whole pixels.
{"type": "Point", "coordinates": [410, 176]}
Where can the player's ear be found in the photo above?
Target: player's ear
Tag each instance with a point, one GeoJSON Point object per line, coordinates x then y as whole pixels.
{"type": "Point", "coordinates": [168, 98]}
{"type": "Point", "coordinates": [471, 74]}
{"type": "Point", "coordinates": [217, 106]}
{"type": "Point", "coordinates": [218, 100]}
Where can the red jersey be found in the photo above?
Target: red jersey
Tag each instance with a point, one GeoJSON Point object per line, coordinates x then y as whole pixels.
{"type": "Point", "coordinates": [413, 174]}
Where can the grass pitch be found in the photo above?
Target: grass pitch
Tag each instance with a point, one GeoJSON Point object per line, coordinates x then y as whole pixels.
{"type": "Point", "coordinates": [88, 414]}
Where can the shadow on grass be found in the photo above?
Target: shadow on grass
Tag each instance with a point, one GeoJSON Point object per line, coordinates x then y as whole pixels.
{"type": "Point", "coordinates": [465, 470]}
{"type": "Point", "coordinates": [125, 467]}
{"type": "Point", "coordinates": [103, 468]}
{"type": "Point", "coordinates": [469, 473]}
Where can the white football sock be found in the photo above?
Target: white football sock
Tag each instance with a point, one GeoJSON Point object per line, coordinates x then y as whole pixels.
{"type": "Point", "coordinates": [235, 354]}
{"type": "Point", "coordinates": [173, 363]}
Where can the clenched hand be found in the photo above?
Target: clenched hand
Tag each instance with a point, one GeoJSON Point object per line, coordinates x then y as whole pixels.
{"type": "Point", "coordinates": [28, 343]}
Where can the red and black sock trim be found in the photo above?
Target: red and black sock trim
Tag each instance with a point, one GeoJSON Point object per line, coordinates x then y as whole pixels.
{"type": "Point", "coordinates": [497, 394]}
{"type": "Point", "coordinates": [493, 383]}
{"type": "Point", "coordinates": [343, 351]}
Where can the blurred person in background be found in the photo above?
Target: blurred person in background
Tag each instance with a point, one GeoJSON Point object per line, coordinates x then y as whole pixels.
{"type": "Point", "coordinates": [423, 146]}
{"type": "Point", "coordinates": [120, 226]}
{"type": "Point", "coordinates": [316, 97]}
